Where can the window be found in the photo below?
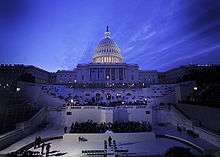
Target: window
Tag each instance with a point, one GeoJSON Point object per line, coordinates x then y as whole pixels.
{"type": "Point", "coordinates": [121, 73]}
{"type": "Point", "coordinates": [107, 72]}
{"type": "Point", "coordinates": [113, 73]}
{"type": "Point", "coordinates": [69, 113]}
{"type": "Point", "coordinates": [147, 112]}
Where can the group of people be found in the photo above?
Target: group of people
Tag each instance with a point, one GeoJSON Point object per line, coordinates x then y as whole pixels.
{"type": "Point", "coordinates": [131, 127]}
{"type": "Point", "coordinates": [82, 139]}
{"type": "Point", "coordinates": [114, 103]}
{"type": "Point", "coordinates": [40, 143]}
{"type": "Point", "coordinates": [122, 127]}
{"type": "Point", "coordinates": [111, 143]}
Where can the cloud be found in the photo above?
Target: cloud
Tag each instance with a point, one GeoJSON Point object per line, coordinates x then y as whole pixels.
{"type": "Point", "coordinates": [129, 48]}
{"type": "Point", "coordinates": [192, 55]}
{"type": "Point", "coordinates": [144, 33]}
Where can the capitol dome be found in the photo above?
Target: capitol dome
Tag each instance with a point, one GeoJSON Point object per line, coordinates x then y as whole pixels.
{"type": "Point", "coordinates": [107, 51]}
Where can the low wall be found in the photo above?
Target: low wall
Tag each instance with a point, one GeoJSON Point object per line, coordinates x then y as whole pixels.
{"type": "Point", "coordinates": [206, 135]}
{"type": "Point", "coordinates": [177, 118]}
{"type": "Point", "coordinates": [23, 129]}
{"type": "Point", "coordinates": [198, 148]}
{"type": "Point", "coordinates": [106, 114]}
{"type": "Point", "coordinates": [122, 137]}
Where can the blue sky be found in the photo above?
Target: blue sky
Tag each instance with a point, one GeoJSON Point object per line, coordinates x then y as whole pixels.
{"type": "Point", "coordinates": [59, 34]}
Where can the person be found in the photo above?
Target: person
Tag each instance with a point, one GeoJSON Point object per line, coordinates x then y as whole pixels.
{"type": "Point", "coordinates": [105, 144]}
{"type": "Point", "coordinates": [39, 141]}
{"type": "Point", "coordinates": [35, 142]}
{"type": "Point", "coordinates": [114, 144]}
{"type": "Point", "coordinates": [47, 149]}
{"type": "Point", "coordinates": [42, 148]}
{"type": "Point", "coordinates": [65, 129]}
{"type": "Point", "coordinates": [109, 140]}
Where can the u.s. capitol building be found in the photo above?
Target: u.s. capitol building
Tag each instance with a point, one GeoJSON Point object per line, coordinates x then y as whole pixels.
{"type": "Point", "coordinates": [107, 67]}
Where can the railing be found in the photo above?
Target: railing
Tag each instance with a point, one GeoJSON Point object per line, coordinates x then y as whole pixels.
{"type": "Point", "coordinates": [10, 137]}
{"type": "Point", "coordinates": [198, 148]}
{"type": "Point", "coordinates": [179, 110]}
{"type": "Point", "coordinates": [187, 123]}
{"type": "Point", "coordinates": [23, 129]}
{"type": "Point", "coordinates": [209, 136]}
{"type": "Point", "coordinates": [101, 107]}
{"type": "Point", "coordinates": [28, 146]}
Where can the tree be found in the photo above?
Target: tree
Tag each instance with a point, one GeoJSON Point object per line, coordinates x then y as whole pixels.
{"type": "Point", "coordinates": [178, 152]}
{"type": "Point", "coordinates": [27, 77]}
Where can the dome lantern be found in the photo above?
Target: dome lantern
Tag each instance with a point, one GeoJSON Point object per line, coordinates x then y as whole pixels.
{"type": "Point", "coordinates": [107, 50]}
{"type": "Point", "coordinates": [107, 33]}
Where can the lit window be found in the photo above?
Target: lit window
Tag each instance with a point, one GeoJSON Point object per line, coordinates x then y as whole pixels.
{"type": "Point", "coordinates": [69, 113]}
{"type": "Point", "coordinates": [147, 112]}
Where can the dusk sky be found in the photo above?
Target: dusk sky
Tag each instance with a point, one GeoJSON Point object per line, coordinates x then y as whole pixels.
{"type": "Point", "coordinates": [156, 35]}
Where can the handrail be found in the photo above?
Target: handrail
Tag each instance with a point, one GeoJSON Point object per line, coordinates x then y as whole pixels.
{"type": "Point", "coordinates": [22, 129]}
{"type": "Point", "coordinates": [32, 119]}
{"type": "Point", "coordinates": [37, 114]}
{"type": "Point", "coordinates": [208, 132]}
{"type": "Point", "coordinates": [28, 146]}
{"type": "Point", "coordinates": [182, 112]}
{"type": "Point", "coordinates": [198, 148]}
{"type": "Point", "coordinates": [203, 133]}
{"type": "Point", "coordinates": [9, 133]}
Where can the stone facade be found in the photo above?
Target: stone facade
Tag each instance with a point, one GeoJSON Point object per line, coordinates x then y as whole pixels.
{"type": "Point", "coordinates": [107, 68]}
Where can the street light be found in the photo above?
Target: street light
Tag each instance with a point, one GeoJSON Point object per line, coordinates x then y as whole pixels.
{"type": "Point", "coordinates": [71, 100]}
{"type": "Point", "coordinates": [195, 88]}
{"type": "Point", "coordinates": [18, 89]}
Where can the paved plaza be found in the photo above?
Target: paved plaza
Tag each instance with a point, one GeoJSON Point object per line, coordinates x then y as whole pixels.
{"type": "Point", "coordinates": [69, 146]}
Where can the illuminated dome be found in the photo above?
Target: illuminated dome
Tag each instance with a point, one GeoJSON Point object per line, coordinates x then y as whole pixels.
{"type": "Point", "coordinates": [107, 51]}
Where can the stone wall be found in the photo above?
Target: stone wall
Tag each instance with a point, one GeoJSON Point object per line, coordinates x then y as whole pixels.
{"type": "Point", "coordinates": [66, 116]}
